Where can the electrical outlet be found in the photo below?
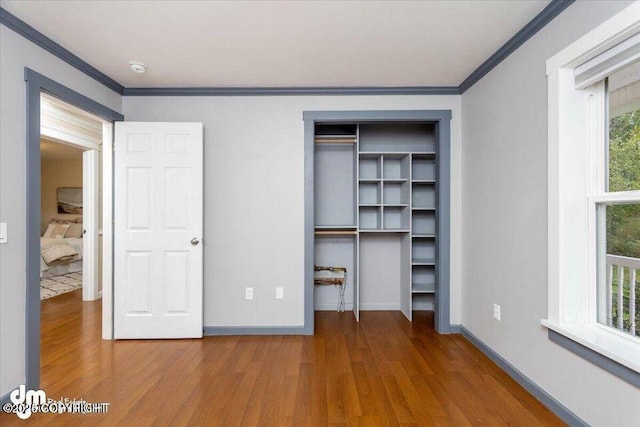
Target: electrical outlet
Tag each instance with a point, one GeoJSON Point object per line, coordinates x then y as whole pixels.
{"type": "Point", "coordinates": [3, 232]}
{"type": "Point", "coordinates": [279, 292]}
{"type": "Point", "coordinates": [496, 312]}
{"type": "Point", "coordinates": [248, 293]}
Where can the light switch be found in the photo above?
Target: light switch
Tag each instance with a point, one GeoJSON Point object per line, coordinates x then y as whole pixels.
{"type": "Point", "coordinates": [3, 232]}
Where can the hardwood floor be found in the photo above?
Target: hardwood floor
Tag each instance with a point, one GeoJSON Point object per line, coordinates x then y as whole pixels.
{"type": "Point", "coordinates": [383, 371]}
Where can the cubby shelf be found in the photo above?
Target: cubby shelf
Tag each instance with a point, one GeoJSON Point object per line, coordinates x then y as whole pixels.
{"type": "Point", "coordinates": [423, 167]}
{"type": "Point", "coordinates": [423, 196]}
{"type": "Point", "coordinates": [428, 289]}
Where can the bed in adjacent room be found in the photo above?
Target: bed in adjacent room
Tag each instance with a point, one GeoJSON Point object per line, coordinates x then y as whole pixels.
{"type": "Point", "coordinates": [61, 257]}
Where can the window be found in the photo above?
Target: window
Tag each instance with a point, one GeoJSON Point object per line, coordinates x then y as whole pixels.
{"type": "Point", "coordinates": [618, 206]}
{"type": "Point", "coordinates": [594, 195]}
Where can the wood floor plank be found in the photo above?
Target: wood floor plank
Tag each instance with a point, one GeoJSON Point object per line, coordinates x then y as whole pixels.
{"type": "Point", "coordinates": [382, 371]}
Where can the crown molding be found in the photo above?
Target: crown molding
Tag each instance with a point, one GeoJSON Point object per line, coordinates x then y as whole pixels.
{"type": "Point", "coordinates": [280, 91]}
{"type": "Point", "coordinates": [552, 10]}
{"type": "Point", "coordinates": [35, 36]}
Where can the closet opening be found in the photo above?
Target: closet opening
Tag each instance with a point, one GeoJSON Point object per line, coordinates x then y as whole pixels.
{"type": "Point", "coordinates": [381, 211]}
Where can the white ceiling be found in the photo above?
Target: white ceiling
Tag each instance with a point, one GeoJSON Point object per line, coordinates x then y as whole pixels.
{"type": "Point", "coordinates": [51, 150]}
{"type": "Point", "coordinates": [281, 43]}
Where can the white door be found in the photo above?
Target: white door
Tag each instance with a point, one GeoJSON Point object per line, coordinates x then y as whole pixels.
{"type": "Point", "coordinates": [158, 216]}
{"type": "Point", "coordinates": [90, 212]}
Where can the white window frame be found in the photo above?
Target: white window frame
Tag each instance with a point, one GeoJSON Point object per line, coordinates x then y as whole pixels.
{"type": "Point", "coordinates": [576, 149]}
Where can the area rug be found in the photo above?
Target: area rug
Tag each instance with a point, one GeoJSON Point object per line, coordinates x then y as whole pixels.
{"type": "Point", "coordinates": [58, 285]}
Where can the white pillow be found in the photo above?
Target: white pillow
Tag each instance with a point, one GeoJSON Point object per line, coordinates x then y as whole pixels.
{"type": "Point", "coordinates": [56, 230]}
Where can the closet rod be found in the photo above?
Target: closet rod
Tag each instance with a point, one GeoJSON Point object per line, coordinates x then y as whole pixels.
{"type": "Point", "coordinates": [336, 232]}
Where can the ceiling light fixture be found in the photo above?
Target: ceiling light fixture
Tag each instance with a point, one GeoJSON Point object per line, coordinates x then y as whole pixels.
{"type": "Point", "coordinates": [137, 67]}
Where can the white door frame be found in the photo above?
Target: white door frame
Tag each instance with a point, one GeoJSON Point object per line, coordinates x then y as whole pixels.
{"type": "Point", "coordinates": [107, 231]}
{"type": "Point", "coordinates": [90, 211]}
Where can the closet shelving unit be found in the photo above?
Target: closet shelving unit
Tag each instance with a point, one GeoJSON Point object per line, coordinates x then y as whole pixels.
{"type": "Point", "coordinates": [423, 227]}
{"type": "Point", "coordinates": [383, 192]}
{"type": "Point", "coordinates": [378, 179]}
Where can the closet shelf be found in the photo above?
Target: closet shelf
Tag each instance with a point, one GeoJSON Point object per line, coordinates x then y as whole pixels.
{"type": "Point", "coordinates": [423, 261]}
{"type": "Point", "coordinates": [335, 227]}
{"type": "Point", "coordinates": [387, 230]}
{"type": "Point", "coordinates": [396, 153]}
{"type": "Point", "coordinates": [336, 232]}
{"type": "Point", "coordinates": [423, 291]}
{"type": "Point", "coordinates": [335, 139]}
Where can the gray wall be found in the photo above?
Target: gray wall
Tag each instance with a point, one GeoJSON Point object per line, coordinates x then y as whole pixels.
{"type": "Point", "coordinates": [16, 53]}
{"type": "Point", "coordinates": [254, 195]}
{"type": "Point", "coordinates": [505, 223]}
{"type": "Point", "coordinates": [254, 210]}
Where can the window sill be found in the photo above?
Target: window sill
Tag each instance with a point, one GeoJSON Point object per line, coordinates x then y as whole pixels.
{"type": "Point", "coordinates": [607, 349]}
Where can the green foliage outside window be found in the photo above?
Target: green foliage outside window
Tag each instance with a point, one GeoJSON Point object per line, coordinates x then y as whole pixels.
{"type": "Point", "coordinates": [623, 221]}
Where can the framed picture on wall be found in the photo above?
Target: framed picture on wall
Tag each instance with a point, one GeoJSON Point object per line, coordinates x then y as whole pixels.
{"type": "Point", "coordinates": [70, 200]}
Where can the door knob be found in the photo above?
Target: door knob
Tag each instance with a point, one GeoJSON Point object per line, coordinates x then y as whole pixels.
{"type": "Point", "coordinates": [195, 241]}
